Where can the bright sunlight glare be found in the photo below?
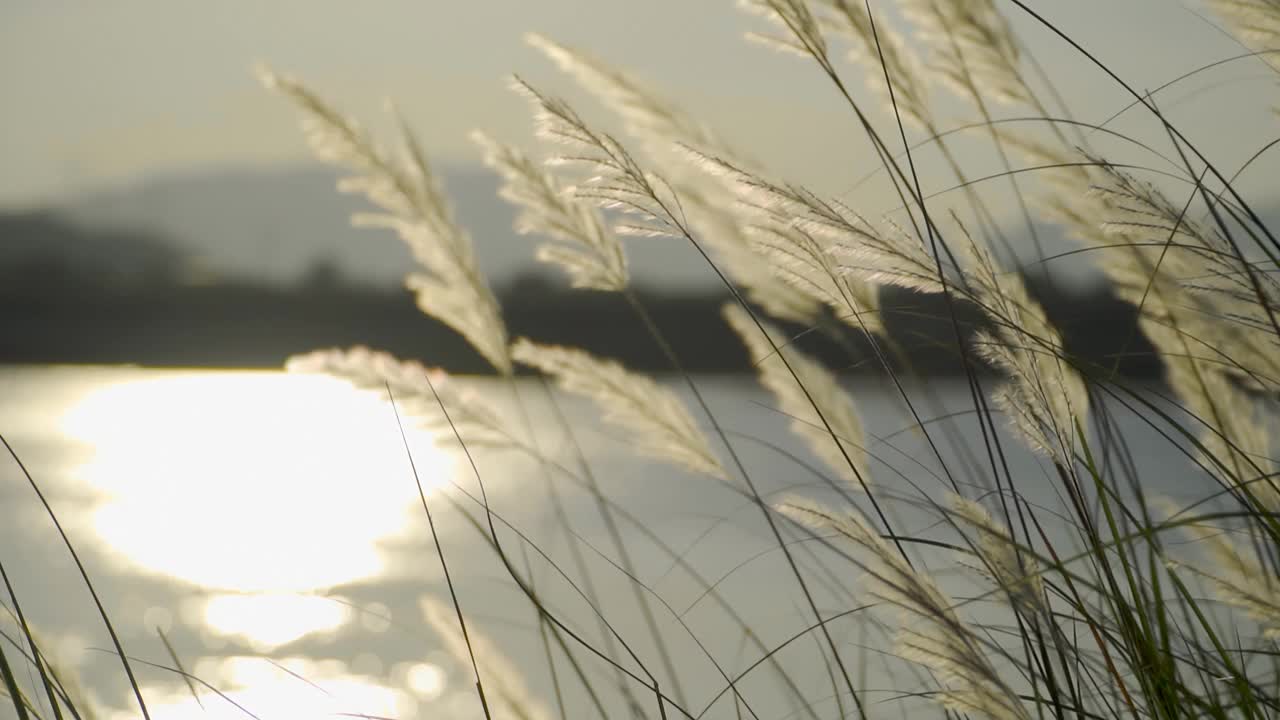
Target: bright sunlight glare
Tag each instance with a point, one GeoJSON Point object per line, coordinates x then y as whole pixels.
{"type": "Point", "coordinates": [268, 621]}
{"type": "Point", "coordinates": [426, 679]}
{"type": "Point", "coordinates": [250, 481]}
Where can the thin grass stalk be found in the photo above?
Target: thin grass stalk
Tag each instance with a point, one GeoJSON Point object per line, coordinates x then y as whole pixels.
{"type": "Point", "coordinates": [559, 629]}
{"type": "Point", "coordinates": [11, 684]}
{"type": "Point", "coordinates": [578, 559]}
{"type": "Point", "coordinates": [64, 690]}
{"type": "Point", "coordinates": [84, 576]}
{"type": "Point", "coordinates": [36, 657]}
{"type": "Point", "coordinates": [545, 619]}
{"type": "Point", "coordinates": [662, 699]}
{"type": "Point", "coordinates": [739, 700]}
{"type": "Point", "coordinates": [444, 566]}
{"type": "Point", "coordinates": [157, 666]}
{"type": "Point", "coordinates": [173, 657]}
{"type": "Point", "coordinates": [678, 560]}
{"type": "Point", "coordinates": [626, 565]}
{"type": "Point", "coordinates": [746, 476]}
{"type": "Point", "coordinates": [1138, 635]}
{"type": "Point", "coordinates": [545, 640]}
{"type": "Point", "coordinates": [657, 540]}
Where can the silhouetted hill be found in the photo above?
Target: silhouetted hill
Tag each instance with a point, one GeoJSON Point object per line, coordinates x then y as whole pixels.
{"type": "Point", "coordinates": [270, 225]}
{"type": "Point", "coordinates": [42, 250]}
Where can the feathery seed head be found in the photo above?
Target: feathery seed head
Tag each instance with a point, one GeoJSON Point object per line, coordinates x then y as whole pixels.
{"type": "Point", "coordinates": [448, 285]}
{"type": "Point", "coordinates": [804, 36]}
{"type": "Point", "coordinates": [974, 50]}
{"type": "Point", "coordinates": [1238, 580]}
{"type": "Point", "coordinates": [883, 51]}
{"type": "Point", "coordinates": [614, 179]}
{"type": "Point", "coordinates": [589, 252]}
{"type": "Point", "coordinates": [822, 413]}
{"type": "Point", "coordinates": [822, 244]}
{"type": "Point", "coordinates": [661, 424]}
{"type": "Point", "coordinates": [648, 118]}
{"type": "Point", "coordinates": [1045, 398]}
{"type": "Point", "coordinates": [416, 389]}
{"type": "Point", "coordinates": [1014, 571]}
{"type": "Point", "coordinates": [1255, 22]}
{"type": "Point", "coordinates": [931, 633]}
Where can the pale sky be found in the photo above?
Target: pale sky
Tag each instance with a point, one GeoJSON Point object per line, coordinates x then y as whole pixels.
{"type": "Point", "coordinates": [99, 94]}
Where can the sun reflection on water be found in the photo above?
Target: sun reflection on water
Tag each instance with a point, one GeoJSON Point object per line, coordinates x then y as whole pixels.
{"type": "Point", "coordinates": [268, 621]}
{"type": "Point", "coordinates": [249, 481]}
{"type": "Point", "coordinates": [257, 491]}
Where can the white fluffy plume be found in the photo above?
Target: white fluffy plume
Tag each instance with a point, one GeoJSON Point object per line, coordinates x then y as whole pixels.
{"type": "Point", "coordinates": [1015, 572]}
{"type": "Point", "coordinates": [613, 178]}
{"type": "Point", "coordinates": [643, 113]}
{"type": "Point", "coordinates": [786, 217]}
{"type": "Point", "coordinates": [1237, 578]}
{"type": "Point", "coordinates": [932, 634]}
{"type": "Point", "coordinates": [883, 51]}
{"type": "Point", "coordinates": [449, 286]}
{"type": "Point", "coordinates": [802, 33]}
{"type": "Point", "coordinates": [588, 250]}
{"type": "Point", "coordinates": [810, 394]}
{"type": "Point", "coordinates": [1255, 22]}
{"type": "Point", "coordinates": [1045, 398]}
{"type": "Point", "coordinates": [659, 423]}
{"type": "Point", "coordinates": [780, 281]}
{"type": "Point", "coordinates": [416, 389]}
{"type": "Point", "coordinates": [974, 50]}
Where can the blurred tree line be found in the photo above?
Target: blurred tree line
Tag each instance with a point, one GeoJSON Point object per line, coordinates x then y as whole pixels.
{"type": "Point", "coordinates": [75, 295]}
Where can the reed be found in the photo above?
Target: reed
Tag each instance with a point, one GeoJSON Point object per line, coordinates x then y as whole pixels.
{"type": "Point", "coordinates": [1098, 607]}
{"type": "Point", "coordinates": [1089, 589]}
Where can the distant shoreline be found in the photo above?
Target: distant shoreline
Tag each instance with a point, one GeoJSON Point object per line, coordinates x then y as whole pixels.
{"type": "Point", "coordinates": [243, 326]}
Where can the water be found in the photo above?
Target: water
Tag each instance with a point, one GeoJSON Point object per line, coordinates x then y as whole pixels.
{"type": "Point", "coordinates": [271, 528]}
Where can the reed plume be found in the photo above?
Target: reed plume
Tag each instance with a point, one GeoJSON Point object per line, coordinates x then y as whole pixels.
{"type": "Point", "coordinates": [645, 116]}
{"type": "Point", "coordinates": [449, 286]}
{"type": "Point", "coordinates": [660, 423]}
{"type": "Point", "coordinates": [1013, 570]}
{"type": "Point", "coordinates": [706, 208]}
{"type": "Point", "coordinates": [974, 51]}
{"type": "Point", "coordinates": [1210, 330]}
{"type": "Point", "coordinates": [862, 251]}
{"type": "Point", "coordinates": [612, 177]}
{"type": "Point", "coordinates": [1044, 397]}
{"type": "Point", "coordinates": [883, 52]}
{"type": "Point", "coordinates": [809, 394]}
{"type": "Point", "coordinates": [802, 33]}
{"type": "Point", "coordinates": [589, 252]}
{"type": "Point", "coordinates": [1255, 22]}
{"type": "Point", "coordinates": [1237, 579]}
{"type": "Point", "coordinates": [931, 633]}
{"type": "Point", "coordinates": [419, 390]}
{"type": "Point", "coordinates": [1222, 301]}
{"type": "Point", "coordinates": [746, 258]}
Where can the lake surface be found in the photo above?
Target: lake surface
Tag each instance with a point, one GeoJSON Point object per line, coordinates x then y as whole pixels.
{"type": "Point", "coordinates": [271, 527]}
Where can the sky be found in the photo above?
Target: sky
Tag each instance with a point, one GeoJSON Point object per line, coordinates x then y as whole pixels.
{"type": "Point", "coordinates": [100, 96]}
